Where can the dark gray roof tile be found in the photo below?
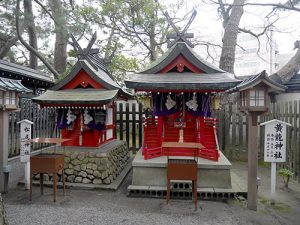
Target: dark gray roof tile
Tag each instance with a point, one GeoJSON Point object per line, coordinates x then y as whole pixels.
{"type": "Point", "coordinates": [181, 48]}
{"type": "Point", "coordinates": [23, 70]}
{"type": "Point", "coordinates": [77, 96]}
{"type": "Point", "coordinates": [13, 85]}
{"type": "Point", "coordinates": [182, 81]}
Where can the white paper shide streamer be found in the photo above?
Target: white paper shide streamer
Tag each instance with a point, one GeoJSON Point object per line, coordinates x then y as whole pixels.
{"type": "Point", "coordinates": [192, 104]}
{"type": "Point", "coordinates": [170, 103]}
{"type": "Point", "coordinates": [86, 117]}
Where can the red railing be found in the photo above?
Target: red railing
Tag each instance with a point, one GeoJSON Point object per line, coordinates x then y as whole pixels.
{"type": "Point", "coordinates": [202, 130]}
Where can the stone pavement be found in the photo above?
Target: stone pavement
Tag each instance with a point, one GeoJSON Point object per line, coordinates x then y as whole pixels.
{"type": "Point", "coordinates": [108, 207]}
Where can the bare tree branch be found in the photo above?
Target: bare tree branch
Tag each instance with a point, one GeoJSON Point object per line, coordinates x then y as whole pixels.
{"type": "Point", "coordinates": [275, 5]}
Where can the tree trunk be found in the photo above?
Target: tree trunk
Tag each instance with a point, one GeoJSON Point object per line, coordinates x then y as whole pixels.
{"type": "Point", "coordinates": [30, 26]}
{"type": "Point", "coordinates": [28, 46]}
{"type": "Point", "coordinates": [291, 67]}
{"type": "Point", "coordinates": [61, 35]}
{"type": "Point", "coordinates": [230, 37]}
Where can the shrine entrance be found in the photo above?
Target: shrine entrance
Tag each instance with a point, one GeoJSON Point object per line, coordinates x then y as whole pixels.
{"type": "Point", "coordinates": [83, 126]}
{"type": "Point", "coordinates": [180, 90]}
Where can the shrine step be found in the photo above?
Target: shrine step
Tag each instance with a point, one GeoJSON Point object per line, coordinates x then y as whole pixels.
{"type": "Point", "coordinates": [183, 190]}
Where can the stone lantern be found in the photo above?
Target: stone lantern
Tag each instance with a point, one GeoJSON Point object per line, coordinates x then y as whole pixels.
{"type": "Point", "coordinates": [9, 100]}
{"type": "Point", "coordinates": [254, 100]}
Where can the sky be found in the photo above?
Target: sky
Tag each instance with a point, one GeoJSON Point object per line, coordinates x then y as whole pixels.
{"type": "Point", "coordinates": [208, 26]}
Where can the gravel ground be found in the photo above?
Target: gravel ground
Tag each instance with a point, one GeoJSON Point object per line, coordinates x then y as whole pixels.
{"type": "Point", "coordinates": [106, 207]}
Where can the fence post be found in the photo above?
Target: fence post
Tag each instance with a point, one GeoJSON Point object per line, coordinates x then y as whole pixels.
{"type": "Point", "coordinates": [298, 149]}
{"type": "Point", "coordinates": [294, 127]}
{"type": "Point", "coordinates": [227, 122]}
{"type": "Point", "coordinates": [241, 132]}
{"type": "Point", "coordinates": [233, 130]}
{"type": "Point", "coordinates": [133, 128]}
{"type": "Point", "coordinates": [127, 124]}
{"type": "Point", "coordinates": [121, 120]}
{"type": "Point", "coordinates": [140, 125]}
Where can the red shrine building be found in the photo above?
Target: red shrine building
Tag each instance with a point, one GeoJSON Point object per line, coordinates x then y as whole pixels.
{"type": "Point", "coordinates": [182, 90]}
{"type": "Point", "coordinates": [84, 100]}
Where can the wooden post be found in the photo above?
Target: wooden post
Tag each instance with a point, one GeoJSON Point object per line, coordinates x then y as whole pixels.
{"type": "Point", "coordinates": [273, 182]}
{"type": "Point", "coordinates": [121, 120]}
{"type": "Point", "coordinates": [3, 146]}
{"type": "Point", "coordinates": [298, 147]}
{"type": "Point", "coordinates": [133, 129]}
{"type": "Point", "coordinates": [252, 161]}
{"type": "Point", "coordinates": [140, 125]}
{"type": "Point", "coordinates": [127, 124]}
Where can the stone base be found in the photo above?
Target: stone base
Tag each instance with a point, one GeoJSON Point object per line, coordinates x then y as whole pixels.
{"type": "Point", "coordinates": [153, 172]}
{"type": "Point", "coordinates": [92, 165]}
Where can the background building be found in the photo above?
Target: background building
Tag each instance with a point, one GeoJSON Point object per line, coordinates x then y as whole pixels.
{"type": "Point", "coordinates": [249, 61]}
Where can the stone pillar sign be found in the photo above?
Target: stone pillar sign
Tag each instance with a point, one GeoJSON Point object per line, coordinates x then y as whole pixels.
{"type": "Point", "coordinates": [25, 136]}
{"type": "Point", "coordinates": [274, 148]}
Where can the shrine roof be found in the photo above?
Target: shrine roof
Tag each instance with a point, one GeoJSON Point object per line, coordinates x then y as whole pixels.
{"type": "Point", "coordinates": [182, 81]}
{"type": "Point", "coordinates": [12, 85]}
{"type": "Point", "coordinates": [29, 77]}
{"type": "Point", "coordinates": [77, 96]}
{"type": "Point", "coordinates": [180, 48]}
{"type": "Point", "coordinates": [293, 84]}
{"type": "Point", "coordinates": [255, 80]}
{"type": "Point", "coordinates": [96, 73]}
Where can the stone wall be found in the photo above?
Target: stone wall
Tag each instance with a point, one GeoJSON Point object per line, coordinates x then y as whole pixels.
{"type": "Point", "coordinates": [96, 166]}
{"type": "Point", "coordinates": [3, 220]}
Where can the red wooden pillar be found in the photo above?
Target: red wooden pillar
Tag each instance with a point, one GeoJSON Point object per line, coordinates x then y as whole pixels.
{"type": "Point", "coordinates": [159, 129]}
{"type": "Point", "coordinates": [201, 129]}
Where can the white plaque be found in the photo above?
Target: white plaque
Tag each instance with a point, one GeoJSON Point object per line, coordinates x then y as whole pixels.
{"type": "Point", "coordinates": [275, 141]}
{"type": "Point", "coordinates": [25, 136]}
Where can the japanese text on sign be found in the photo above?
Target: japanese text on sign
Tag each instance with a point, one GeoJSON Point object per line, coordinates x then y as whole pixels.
{"type": "Point", "coordinates": [275, 142]}
{"type": "Point", "coordinates": [25, 137]}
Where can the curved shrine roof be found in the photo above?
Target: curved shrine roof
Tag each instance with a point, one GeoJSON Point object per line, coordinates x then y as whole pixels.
{"type": "Point", "coordinates": [77, 96]}
{"type": "Point", "coordinates": [151, 78]}
{"type": "Point", "coordinates": [95, 68]}
{"type": "Point", "coordinates": [173, 52]}
{"type": "Point", "coordinates": [182, 81]}
{"type": "Point", "coordinates": [13, 85]}
{"type": "Point", "coordinates": [256, 79]}
{"type": "Point", "coordinates": [293, 84]}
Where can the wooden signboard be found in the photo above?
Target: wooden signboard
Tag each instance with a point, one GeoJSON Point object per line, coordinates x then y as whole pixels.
{"type": "Point", "coordinates": [25, 136]}
{"type": "Point", "coordinates": [275, 148]}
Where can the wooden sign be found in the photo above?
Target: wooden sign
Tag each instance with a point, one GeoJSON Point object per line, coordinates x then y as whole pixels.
{"type": "Point", "coordinates": [275, 141]}
{"type": "Point", "coordinates": [275, 148]}
{"type": "Point", "coordinates": [25, 136]}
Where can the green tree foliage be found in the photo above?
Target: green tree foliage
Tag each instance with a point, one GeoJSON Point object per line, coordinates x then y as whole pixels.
{"type": "Point", "coordinates": [130, 32]}
{"type": "Point", "coordinates": [139, 22]}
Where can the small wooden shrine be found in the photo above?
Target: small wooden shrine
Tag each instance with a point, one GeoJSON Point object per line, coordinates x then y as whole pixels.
{"type": "Point", "coordinates": [182, 89]}
{"type": "Point", "coordinates": [84, 100]}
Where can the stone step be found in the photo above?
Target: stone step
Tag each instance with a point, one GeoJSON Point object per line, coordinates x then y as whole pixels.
{"type": "Point", "coordinates": [203, 193]}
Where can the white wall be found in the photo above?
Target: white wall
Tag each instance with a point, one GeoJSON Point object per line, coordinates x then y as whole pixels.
{"type": "Point", "coordinates": [285, 97]}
